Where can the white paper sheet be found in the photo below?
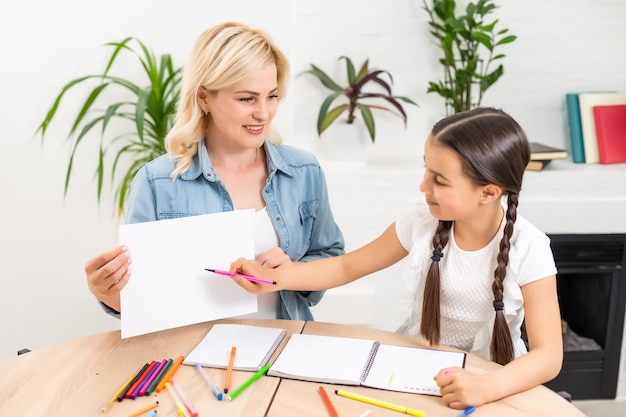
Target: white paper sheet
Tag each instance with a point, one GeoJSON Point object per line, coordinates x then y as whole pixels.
{"type": "Point", "coordinates": [169, 287]}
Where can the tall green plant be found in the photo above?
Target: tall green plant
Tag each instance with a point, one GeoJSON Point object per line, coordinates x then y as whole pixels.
{"type": "Point", "coordinates": [468, 42]}
{"type": "Point", "coordinates": [151, 111]}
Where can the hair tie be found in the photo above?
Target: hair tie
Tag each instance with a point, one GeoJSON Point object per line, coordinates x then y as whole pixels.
{"type": "Point", "coordinates": [437, 255]}
{"type": "Point", "coordinates": [498, 305]}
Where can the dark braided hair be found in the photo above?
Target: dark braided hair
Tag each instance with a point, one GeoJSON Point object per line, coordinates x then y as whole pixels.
{"type": "Point", "coordinates": [493, 149]}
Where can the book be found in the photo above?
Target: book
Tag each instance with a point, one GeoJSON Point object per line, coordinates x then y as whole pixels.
{"type": "Point", "coordinates": [348, 361]}
{"type": "Point", "coordinates": [255, 346]}
{"type": "Point", "coordinates": [541, 152]}
{"type": "Point", "coordinates": [537, 165]}
{"type": "Point", "coordinates": [610, 124]}
{"type": "Point", "coordinates": [575, 127]}
{"type": "Point", "coordinates": [587, 102]}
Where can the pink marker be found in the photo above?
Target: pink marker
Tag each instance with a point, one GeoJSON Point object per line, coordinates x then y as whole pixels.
{"type": "Point", "coordinates": [156, 372]}
{"type": "Point", "coordinates": [248, 277]}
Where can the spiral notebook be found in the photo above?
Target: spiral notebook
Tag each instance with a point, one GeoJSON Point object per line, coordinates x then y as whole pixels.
{"type": "Point", "coordinates": [255, 345]}
{"type": "Point", "coordinates": [348, 361]}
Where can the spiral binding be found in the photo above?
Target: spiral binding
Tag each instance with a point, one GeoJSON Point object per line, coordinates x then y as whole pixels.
{"type": "Point", "coordinates": [370, 362]}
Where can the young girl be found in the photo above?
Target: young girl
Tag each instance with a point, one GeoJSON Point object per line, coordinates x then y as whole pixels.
{"type": "Point", "coordinates": [477, 269]}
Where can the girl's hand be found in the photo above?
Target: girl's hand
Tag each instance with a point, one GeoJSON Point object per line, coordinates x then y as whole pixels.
{"type": "Point", "coordinates": [254, 268]}
{"type": "Point", "coordinates": [460, 388]}
{"type": "Point", "coordinates": [274, 258]}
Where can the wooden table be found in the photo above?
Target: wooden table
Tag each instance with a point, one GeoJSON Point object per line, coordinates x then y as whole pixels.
{"type": "Point", "coordinates": [299, 398]}
{"type": "Point", "coordinates": [78, 377]}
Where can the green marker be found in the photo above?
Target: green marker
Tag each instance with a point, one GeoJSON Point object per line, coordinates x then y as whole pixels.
{"type": "Point", "coordinates": [246, 384]}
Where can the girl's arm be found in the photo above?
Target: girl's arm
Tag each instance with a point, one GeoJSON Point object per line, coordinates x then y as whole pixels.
{"type": "Point", "coordinates": [542, 363]}
{"type": "Point", "coordinates": [325, 273]}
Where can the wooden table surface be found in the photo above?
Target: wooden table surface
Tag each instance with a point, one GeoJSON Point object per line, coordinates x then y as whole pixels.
{"type": "Point", "coordinates": [300, 398]}
{"type": "Point", "coordinates": [76, 378]}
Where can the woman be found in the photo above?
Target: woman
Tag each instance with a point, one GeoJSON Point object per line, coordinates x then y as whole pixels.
{"type": "Point", "coordinates": [224, 155]}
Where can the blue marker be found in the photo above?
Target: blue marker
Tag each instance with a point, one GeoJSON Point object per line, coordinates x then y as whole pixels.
{"type": "Point", "coordinates": [469, 410]}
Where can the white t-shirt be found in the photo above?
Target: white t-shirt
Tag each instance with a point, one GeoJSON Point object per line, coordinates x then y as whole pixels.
{"type": "Point", "coordinates": [467, 312]}
{"type": "Point", "coordinates": [265, 238]}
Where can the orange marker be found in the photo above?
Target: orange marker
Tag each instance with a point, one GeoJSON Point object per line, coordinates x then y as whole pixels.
{"type": "Point", "coordinates": [170, 373]}
{"type": "Point", "coordinates": [229, 371]}
{"type": "Point", "coordinates": [329, 404]}
{"type": "Point", "coordinates": [143, 410]}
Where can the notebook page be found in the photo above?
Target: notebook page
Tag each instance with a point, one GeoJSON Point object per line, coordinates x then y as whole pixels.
{"type": "Point", "coordinates": [329, 359]}
{"type": "Point", "coordinates": [255, 345]}
{"type": "Point", "coordinates": [409, 369]}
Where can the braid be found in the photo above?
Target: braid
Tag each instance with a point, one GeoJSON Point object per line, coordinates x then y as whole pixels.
{"type": "Point", "coordinates": [430, 327]}
{"type": "Point", "coordinates": [501, 342]}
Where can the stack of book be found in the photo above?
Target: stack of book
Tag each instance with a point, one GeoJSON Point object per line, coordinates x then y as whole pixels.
{"type": "Point", "coordinates": [541, 155]}
{"type": "Point", "coordinates": [597, 126]}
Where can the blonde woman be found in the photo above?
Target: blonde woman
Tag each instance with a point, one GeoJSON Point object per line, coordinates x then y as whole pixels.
{"type": "Point", "coordinates": [224, 155]}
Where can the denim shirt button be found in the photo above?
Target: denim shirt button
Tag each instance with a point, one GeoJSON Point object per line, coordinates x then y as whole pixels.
{"type": "Point", "coordinates": [277, 219]}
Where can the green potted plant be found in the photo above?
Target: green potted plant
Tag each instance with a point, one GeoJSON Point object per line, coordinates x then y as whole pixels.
{"type": "Point", "coordinates": [150, 111]}
{"type": "Point", "coordinates": [355, 97]}
{"type": "Point", "coordinates": [468, 42]}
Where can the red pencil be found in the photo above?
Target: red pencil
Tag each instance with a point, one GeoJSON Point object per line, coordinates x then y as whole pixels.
{"type": "Point", "coordinates": [329, 404]}
{"type": "Point", "coordinates": [138, 380]}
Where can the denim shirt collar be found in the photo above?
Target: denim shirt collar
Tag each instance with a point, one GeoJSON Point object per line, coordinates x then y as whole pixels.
{"type": "Point", "coordinates": [201, 163]}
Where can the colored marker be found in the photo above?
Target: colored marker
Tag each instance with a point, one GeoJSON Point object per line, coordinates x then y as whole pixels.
{"type": "Point", "coordinates": [246, 384]}
{"type": "Point", "coordinates": [152, 377]}
{"type": "Point", "coordinates": [159, 377]}
{"type": "Point", "coordinates": [127, 393]}
{"type": "Point", "coordinates": [469, 410]}
{"type": "Point", "coordinates": [181, 394]}
{"type": "Point", "coordinates": [170, 373]}
{"type": "Point", "coordinates": [229, 371]}
{"type": "Point", "coordinates": [113, 399]}
{"type": "Point", "coordinates": [153, 413]}
{"type": "Point", "coordinates": [179, 403]}
{"type": "Point", "coordinates": [248, 277]}
{"type": "Point", "coordinates": [207, 378]}
{"type": "Point", "coordinates": [143, 410]}
{"type": "Point", "coordinates": [329, 404]}
{"type": "Point", "coordinates": [144, 380]}
{"type": "Point", "coordinates": [379, 403]}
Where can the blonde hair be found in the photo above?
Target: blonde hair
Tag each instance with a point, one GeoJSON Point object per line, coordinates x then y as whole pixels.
{"type": "Point", "coordinates": [222, 56]}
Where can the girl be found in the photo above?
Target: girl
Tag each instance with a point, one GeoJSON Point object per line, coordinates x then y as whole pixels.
{"type": "Point", "coordinates": [479, 271]}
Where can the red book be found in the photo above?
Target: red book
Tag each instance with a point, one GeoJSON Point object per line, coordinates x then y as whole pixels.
{"type": "Point", "coordinates": [610, 123]}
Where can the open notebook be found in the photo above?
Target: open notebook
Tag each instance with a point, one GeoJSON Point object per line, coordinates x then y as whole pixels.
{"type": "Point", "coordinates": [347, 361]}
{"type": "Point", "coordinates": [255, 345]}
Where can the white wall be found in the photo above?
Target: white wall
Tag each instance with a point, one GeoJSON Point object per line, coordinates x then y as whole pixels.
{"type": "Point", "coordinates": [563, 46]}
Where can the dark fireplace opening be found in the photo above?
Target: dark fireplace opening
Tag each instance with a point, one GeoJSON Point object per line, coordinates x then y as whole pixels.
{"type": "Point", "coordinates": [591, 283]}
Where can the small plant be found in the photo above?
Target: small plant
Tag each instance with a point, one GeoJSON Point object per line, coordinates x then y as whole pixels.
{"type": "Point", "coordinates": [464, 40]}
{"type": "Point", "coordinates": [355, 95]}
{"type": "Point", "coordinates": [151, 112]}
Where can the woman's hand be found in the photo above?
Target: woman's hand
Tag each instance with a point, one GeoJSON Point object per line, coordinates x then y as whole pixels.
{"type": "Point", "coordinates": [107, 274]}
{"type": "Point", "coordinates": [255, 269]}
{"type": "Point", "coordinates": [460, 388]}
{"type": "Point", "coordinates": [274, 258]}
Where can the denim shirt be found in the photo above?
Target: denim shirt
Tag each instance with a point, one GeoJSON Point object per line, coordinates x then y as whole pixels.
{"type": "Point", "coordinates": [295, 195]}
